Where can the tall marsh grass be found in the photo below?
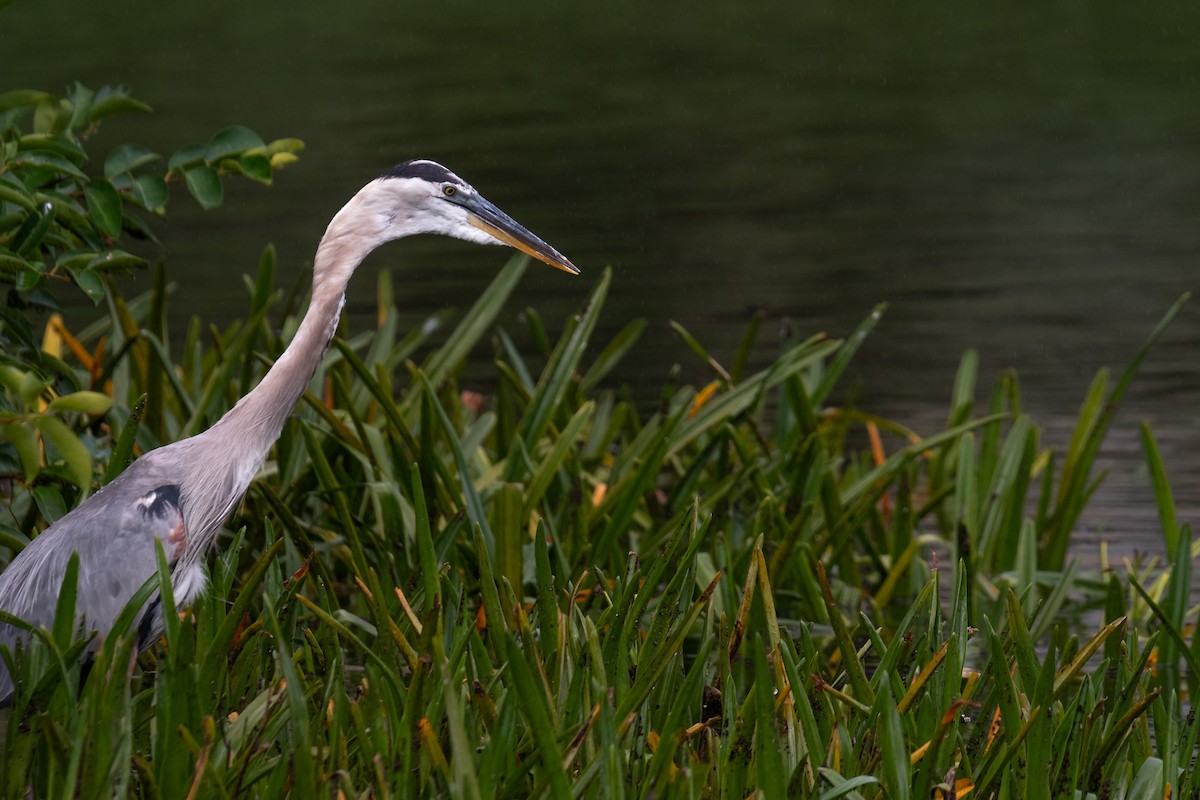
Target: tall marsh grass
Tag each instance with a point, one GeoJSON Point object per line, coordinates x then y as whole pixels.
{"type": "Point", "coordinates": [548, 592]}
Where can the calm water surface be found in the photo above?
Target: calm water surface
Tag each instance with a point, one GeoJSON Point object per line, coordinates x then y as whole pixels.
{"type": "Point", "coordinates": [1023, 182]}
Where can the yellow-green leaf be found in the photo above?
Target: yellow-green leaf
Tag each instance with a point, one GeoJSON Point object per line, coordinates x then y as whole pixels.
{"type": "Point", "coordinates": [24, 439]}
{"type": "Point", "coordinates": [68, 445]}
{"type": "Point", "coordinates": [83, 402]}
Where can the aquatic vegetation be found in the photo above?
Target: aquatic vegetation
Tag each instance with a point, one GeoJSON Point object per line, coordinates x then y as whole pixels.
{"type": "Point", "coordinates": [527, 585]}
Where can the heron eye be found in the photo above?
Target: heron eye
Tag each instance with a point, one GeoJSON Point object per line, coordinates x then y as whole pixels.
{"type": "Point", "coordinates": [449, 191]}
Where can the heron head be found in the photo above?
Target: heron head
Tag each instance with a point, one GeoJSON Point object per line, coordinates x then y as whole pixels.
{"type": "Point", "coordinates": [424, 197]}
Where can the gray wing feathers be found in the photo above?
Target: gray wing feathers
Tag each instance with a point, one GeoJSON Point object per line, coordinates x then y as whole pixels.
{"type": "Point", "coordinates": [115, 542]}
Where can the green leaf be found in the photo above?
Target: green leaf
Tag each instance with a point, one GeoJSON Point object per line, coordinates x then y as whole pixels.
{"type": "Point", "coordinates": [612, 354]}
{"type": "Point", "coordinates": [13, 191]}
{"type": "Point", "coordinates": [548, 468]}
{"type": "Point", "coordinates": [57, 144]}
{"type": "Point", "coordinates": [33, 229]}
{"type": "Point", "coordinates": [1064, 676]}
{"type": "Point", "coordinates": [1095, 419]}
{"type": "Point", "coordinates": [232, 141]}
{"type": "Point", "coordinates": [81, 99]}
{"type": "Point", "coordinates": [1176, 607]}
{"type": "Point", "coordinates": [845, 354]}
{"type": "Point", "coordinates": [122, 453]}
{"type": "Point", "coordinates": [51, 116]}
{"type": "Point", "coordinates": [150, 191]}
{"type": "Point", "coordinates": [854, 666]}
{"type": "Point", "coordinates": [64, 609]}
{"type": "Point", "coordinates": [54, 164]}
{"type": "Point", "coordinates": [772, 775]}
{"type": "Point", "coordinates": [205, 186]}
{"type": "Point", "coordinates": [1148, 783]}
{"type": "Point", "coordinates": [126, 158]}
{"type": "Point", "coordinates": [111, 101]}
{"type": "Point", "coordinates": [16, 326]}
{"type": "Point", "coordinates": [11, 378]}
{"type": "Point", "coordinates": [547, 605]}
{"type": "Point", "coordinates": [560, 370]}
{"type": "Point", "coordinates": [894, 754]}
{"type": "Point", "coordinates": [49, 502]}
{"type": "Point", "coordinates": [652, 664]}
{"type": "Point", "coordinates": [104, 206]}
{"type": "Point", "coordinates": [256, 167]}
{"type": "Point", "coordinates": [22, 98]}
{"type": "Point", "coordinates": [471, 499]}
{"type": "Point", "coordinates": [534, 708]}
{"type": "Point", "coordinates": [746, 346]}
{"type": "Point", "coordinates": [31, 387]}
{"type": "Point", "coordinates": [509, 527]}
{"type": "Point", "coordinates": [83, 402]}
{"type": "Point", "coordinates": [1163, 496]}
{"type": "Point", "coordinates": [476, 322]}
{"type": "Point", "coordinates": [281, 160]}
{"type": "Point", "coordinates": [750, 391]}
{"type": "Point", "coordinates": [115, 261]}
{"type": "Point", "coordinates": [13, 265]}
{"type": "Point", "coordinates": [302, 761]}
{"type": "Point", "coordinates": [31, 280]}
{"type": "Point", "coordinates": [427, 555]}
{"type": "Point", "coordinates": [186, 157]}
{"type": "Point", "coordinates": [497, 622]}
{"type": "Point", "coordinates": [694, 345]}
{"type": "Point", "coordinates": [287, 145]}
{"type": "Point", "coordinates": [24, 439]}
{"type": "Point", "coordinates": [843, 787]}
{"type": "Point", "coordinates": [68, 445]}
{"type": "Point", "coordinates": [13, 539]}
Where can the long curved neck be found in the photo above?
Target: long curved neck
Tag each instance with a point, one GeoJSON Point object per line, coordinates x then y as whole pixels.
{"type": "Point", "coordinates": [252, 426]}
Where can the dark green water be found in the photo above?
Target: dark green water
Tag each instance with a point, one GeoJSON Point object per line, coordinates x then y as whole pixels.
{"type": "Point", "coordinates": [1025, 181]}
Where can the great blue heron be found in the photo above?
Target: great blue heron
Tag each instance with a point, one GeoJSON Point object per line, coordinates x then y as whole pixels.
{"type": "Point", "coordinates": [180, 494]}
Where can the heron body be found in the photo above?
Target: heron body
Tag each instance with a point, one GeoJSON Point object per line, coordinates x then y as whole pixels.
{"type": "Point", "coordinates": [182, 493]}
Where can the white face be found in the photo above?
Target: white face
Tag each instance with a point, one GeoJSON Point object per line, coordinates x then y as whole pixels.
{"type": "Point", "coordinates": [424, 197]}
{"type": "Point", "coordinates": [415, 205]}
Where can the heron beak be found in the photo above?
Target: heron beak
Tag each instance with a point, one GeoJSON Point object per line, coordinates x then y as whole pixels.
{"type": "Point", "coordinates": [491, 220]}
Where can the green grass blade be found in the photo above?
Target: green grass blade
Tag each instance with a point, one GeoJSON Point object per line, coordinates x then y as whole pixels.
{"type": "Point", "coordinates": [559, 371]}
{"type": "Point", "coordinates": [611, 355]}
{"type": "Point", "coordinates": [476, 322]}
{"type": "Point", "coordinates": [122, 454]}
{"type": "Point", "coordinates": [534, 709]}
{"type": "Point", "coordinates": [1163, 497]}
